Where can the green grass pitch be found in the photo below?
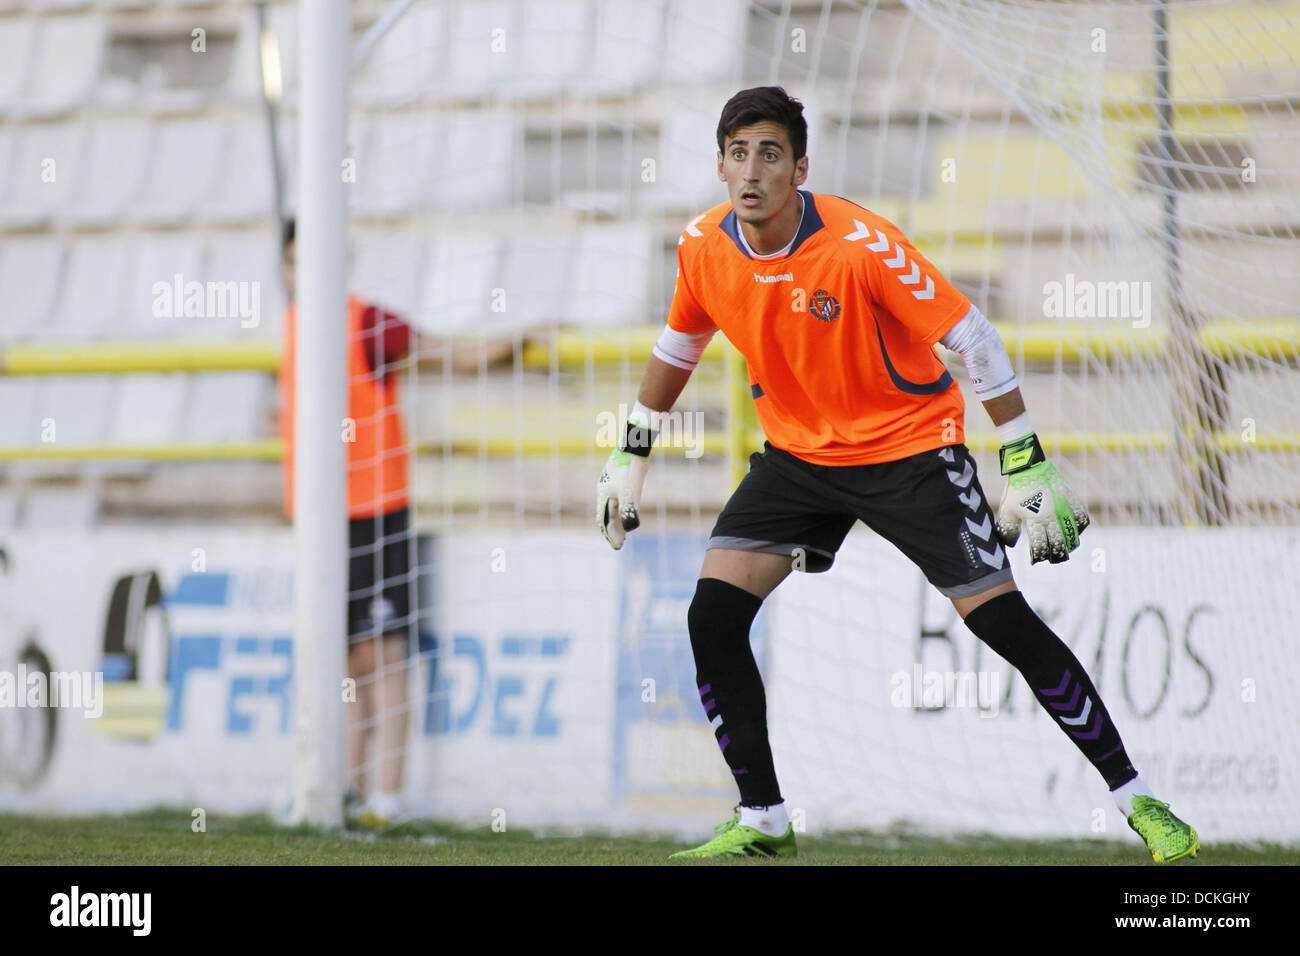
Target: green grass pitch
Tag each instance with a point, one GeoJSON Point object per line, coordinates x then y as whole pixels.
{"type": "Point", "coordinates": [165, 837]}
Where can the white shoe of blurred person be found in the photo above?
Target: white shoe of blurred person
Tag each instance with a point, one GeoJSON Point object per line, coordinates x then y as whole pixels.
{"type": "Point", "coordinates": [380, 810]}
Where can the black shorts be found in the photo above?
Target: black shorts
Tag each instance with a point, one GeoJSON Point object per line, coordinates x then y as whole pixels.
{"type": "Point", "coordinates": [379, 575]}
{"type": "Point", "coordinates": [930, 506]}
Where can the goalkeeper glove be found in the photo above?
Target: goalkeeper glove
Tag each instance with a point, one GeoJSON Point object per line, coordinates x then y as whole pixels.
{"type": "Point", "coordinates": [618, 493]}
{"type": "Point", "coordinates": [1037, 498]}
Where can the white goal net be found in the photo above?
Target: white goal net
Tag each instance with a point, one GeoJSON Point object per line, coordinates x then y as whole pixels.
{"type": "Point", "coordinates": [1116, 185]}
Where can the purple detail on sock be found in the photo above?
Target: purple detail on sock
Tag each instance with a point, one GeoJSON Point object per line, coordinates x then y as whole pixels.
{"type": "Point", "coordinates": [742, 770]}
{"type": "Point", "coordinates": [709, 705]}
{"type": "Point", "coordinates": [1092, 734]}
{"type": "Point", "coordinates": [1065, 682]}
{"type": "Point", "coordinates": [1074, 701]}
{"type": "Point", "coordinates": [704, 690]}
{"type": "Point", "coordinates": [1109, 754]}
{"type": "Point", "coordinates": [723, 741]}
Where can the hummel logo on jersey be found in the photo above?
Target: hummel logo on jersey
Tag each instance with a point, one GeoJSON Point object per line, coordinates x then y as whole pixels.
{"type": "Point", "coordinates": [1033, 502]}
{"type": "Point", "coordinates": [783, 277]}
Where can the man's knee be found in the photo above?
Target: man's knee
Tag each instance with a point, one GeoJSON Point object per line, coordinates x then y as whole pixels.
{"type": "Point", "coordinates": [964, 605]}
{"type": "Point", "coordinates": [757, 572]}
{"type": "Point", "coordinates": [361, 657]}
{"type": "Point", "coordinates": [395, 644]}
{"type": "Point", "coordinates": [1008, 625]}
{"type": "Point", "coordinates": [719, 618]}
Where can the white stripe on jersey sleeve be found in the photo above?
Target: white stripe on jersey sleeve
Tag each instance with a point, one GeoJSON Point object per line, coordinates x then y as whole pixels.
{"type": "Point", "coordinates": [682, 349]}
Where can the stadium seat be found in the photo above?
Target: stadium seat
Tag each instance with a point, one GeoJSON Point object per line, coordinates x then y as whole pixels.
{"type": "Point", "coordinates": [556, 41]}
{"type": "Point", "coordinates": [628, 44]}
{"type": "Point", "coordinates": [19, 425]}
{"type": "Point", "coordinates": [94, 288]}
{"type": "Point", "coordinates": [407, 63]}
{"type": "Point", "coordinates": [997, 166]}
{"type": "Point", "coordinates": [17, 36]}
{"type": "Point", "coordinates": [225, 407]}
{"type": "Point", "coordinates": [69, 55]}
{"type": "Point", "coordinates": [474, 68]}
{"type": "Point", "coordinates": [397, 164]}
{"type": "Point", "coordinates": [536, 267]}
{"type": "Point", "coordinates": [119, 164]}
{"type": "Point", "coordinates": [74, 508]}
{"type": "Point", "coordinates": [9, 509]}
{"type": "Point", "coordinates": [245, 257]}
{"type": "Point", "coordinates": [245, 186]}
{"type": "Point", "coordinates": [148, 409]}
{"type": "Point", "coordinates": [688, 152]}
{"type": "Point", "coordinates": [702, 41]}
{"type": "Point", "coordinates": [77, 406]}
{"type": "Point", "coordinates": [160, 259]}
{"type": "Point", "coordinates": [29, 285]}
{"type": "Point", "coordinates": [462, 272]}
{"type": "Point", "coordinates": [48, 167]}
{"type": "Point", "coordinates": [386, 270]}
{"type": "Point", "coordinates": [58, 6]}
{"type": "Point", "coordinates": [8, 152]}
{"type": "Point", "coordinates": [186, 159]}
{"type": "Point", "coordinates": [611, 275]}
{"type": "Point", "coordinates": [476, 169]}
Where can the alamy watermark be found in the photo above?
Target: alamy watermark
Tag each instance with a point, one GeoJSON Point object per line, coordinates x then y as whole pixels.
{"type": "Point", "coordinates": [676, 430]}
{"type": "Point", "coordinates": [934, 690]}
{"type": "Point", "coordinates": [72, 690]}
{"type": "Point", "coordinates": [1087, 299]}
{"type": "Point", "coordinates": [179, 299]}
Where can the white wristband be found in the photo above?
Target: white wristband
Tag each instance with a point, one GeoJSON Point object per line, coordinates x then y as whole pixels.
{"type": "Point", "coordinates": [1018, 427]}
{"type": "Point", "coordinates": [645, 415]}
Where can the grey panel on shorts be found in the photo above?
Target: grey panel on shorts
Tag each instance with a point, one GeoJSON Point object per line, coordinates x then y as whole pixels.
{"type": "Point", "coordinates": [818, 559]}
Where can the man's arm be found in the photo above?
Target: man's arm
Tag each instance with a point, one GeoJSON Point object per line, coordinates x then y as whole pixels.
{"type": "Point", "coordinates": [1005, 408]}
{"type": "Point", "coordinates": [433, 353]}
{"type": "Point", "coordinates": [618, 492]}
{"type": "Point", "coordinates": [662, 385]}
{"type": "Point", "coordinates": [673, 358]}
{"type": "Point", "coordinates": [1036, 497]}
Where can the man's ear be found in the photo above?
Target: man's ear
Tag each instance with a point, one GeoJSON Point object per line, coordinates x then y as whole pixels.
{"type": "Point", "coordinates": [800, 171]}
{"type": "Point", "coordinates": [722, 177]}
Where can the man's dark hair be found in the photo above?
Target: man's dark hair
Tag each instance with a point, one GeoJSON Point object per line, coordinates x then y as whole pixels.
{"type": "Point", "coordinates": [765, 104]}
{"type": "Point", "coordinates": [288, 232]}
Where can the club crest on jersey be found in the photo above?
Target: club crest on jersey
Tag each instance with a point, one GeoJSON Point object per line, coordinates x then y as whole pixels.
{"type": "Point", "coordinates": [824, 305]}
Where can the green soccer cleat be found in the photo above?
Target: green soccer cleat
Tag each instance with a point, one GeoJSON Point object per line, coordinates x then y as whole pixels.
{"type": "Point", "coordinates": [734, 840]}
{"type": "Point", "coordinates": [1168, 838]}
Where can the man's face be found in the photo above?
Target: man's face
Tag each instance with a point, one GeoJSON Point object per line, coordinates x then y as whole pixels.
{"type": "Point", "coordinates": [287, 260]}
{"type": "Point", "coordinates": [760, 171]}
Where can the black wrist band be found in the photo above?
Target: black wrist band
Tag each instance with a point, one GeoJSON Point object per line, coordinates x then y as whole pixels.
{"type": "Point", "coordinates": [1021, 454]}
{"type": "Point", "coordinates": [638, 440]}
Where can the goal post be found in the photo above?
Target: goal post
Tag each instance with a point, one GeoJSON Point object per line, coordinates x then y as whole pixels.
{"type": "Point", "coordinates": [320, 494]}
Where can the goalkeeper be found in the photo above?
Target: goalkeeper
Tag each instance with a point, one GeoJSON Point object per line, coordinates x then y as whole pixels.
{"type": "Point", "coordinates": [837, 316]}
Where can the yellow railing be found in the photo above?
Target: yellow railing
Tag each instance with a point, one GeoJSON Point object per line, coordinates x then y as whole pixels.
{"type": "Point", "coordinates": [127, 357]}
{"type": "Point", "coordinates": [1269, 340]}
{"type": "Point", "coordinates": [580, 443]}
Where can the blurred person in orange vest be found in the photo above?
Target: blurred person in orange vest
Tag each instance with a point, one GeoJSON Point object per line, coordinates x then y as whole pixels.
{"type": "Point", "coordinates": [379, 539]}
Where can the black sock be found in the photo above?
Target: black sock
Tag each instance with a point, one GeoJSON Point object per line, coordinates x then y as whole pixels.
{"type": "Point", "coordinates": [731, 688]}
{"type": "Point", "coordinates": [1012, 630]}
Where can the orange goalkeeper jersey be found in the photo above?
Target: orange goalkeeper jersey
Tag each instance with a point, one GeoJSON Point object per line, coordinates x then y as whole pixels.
{"type": "Point", "coordinates": [838, 334]}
